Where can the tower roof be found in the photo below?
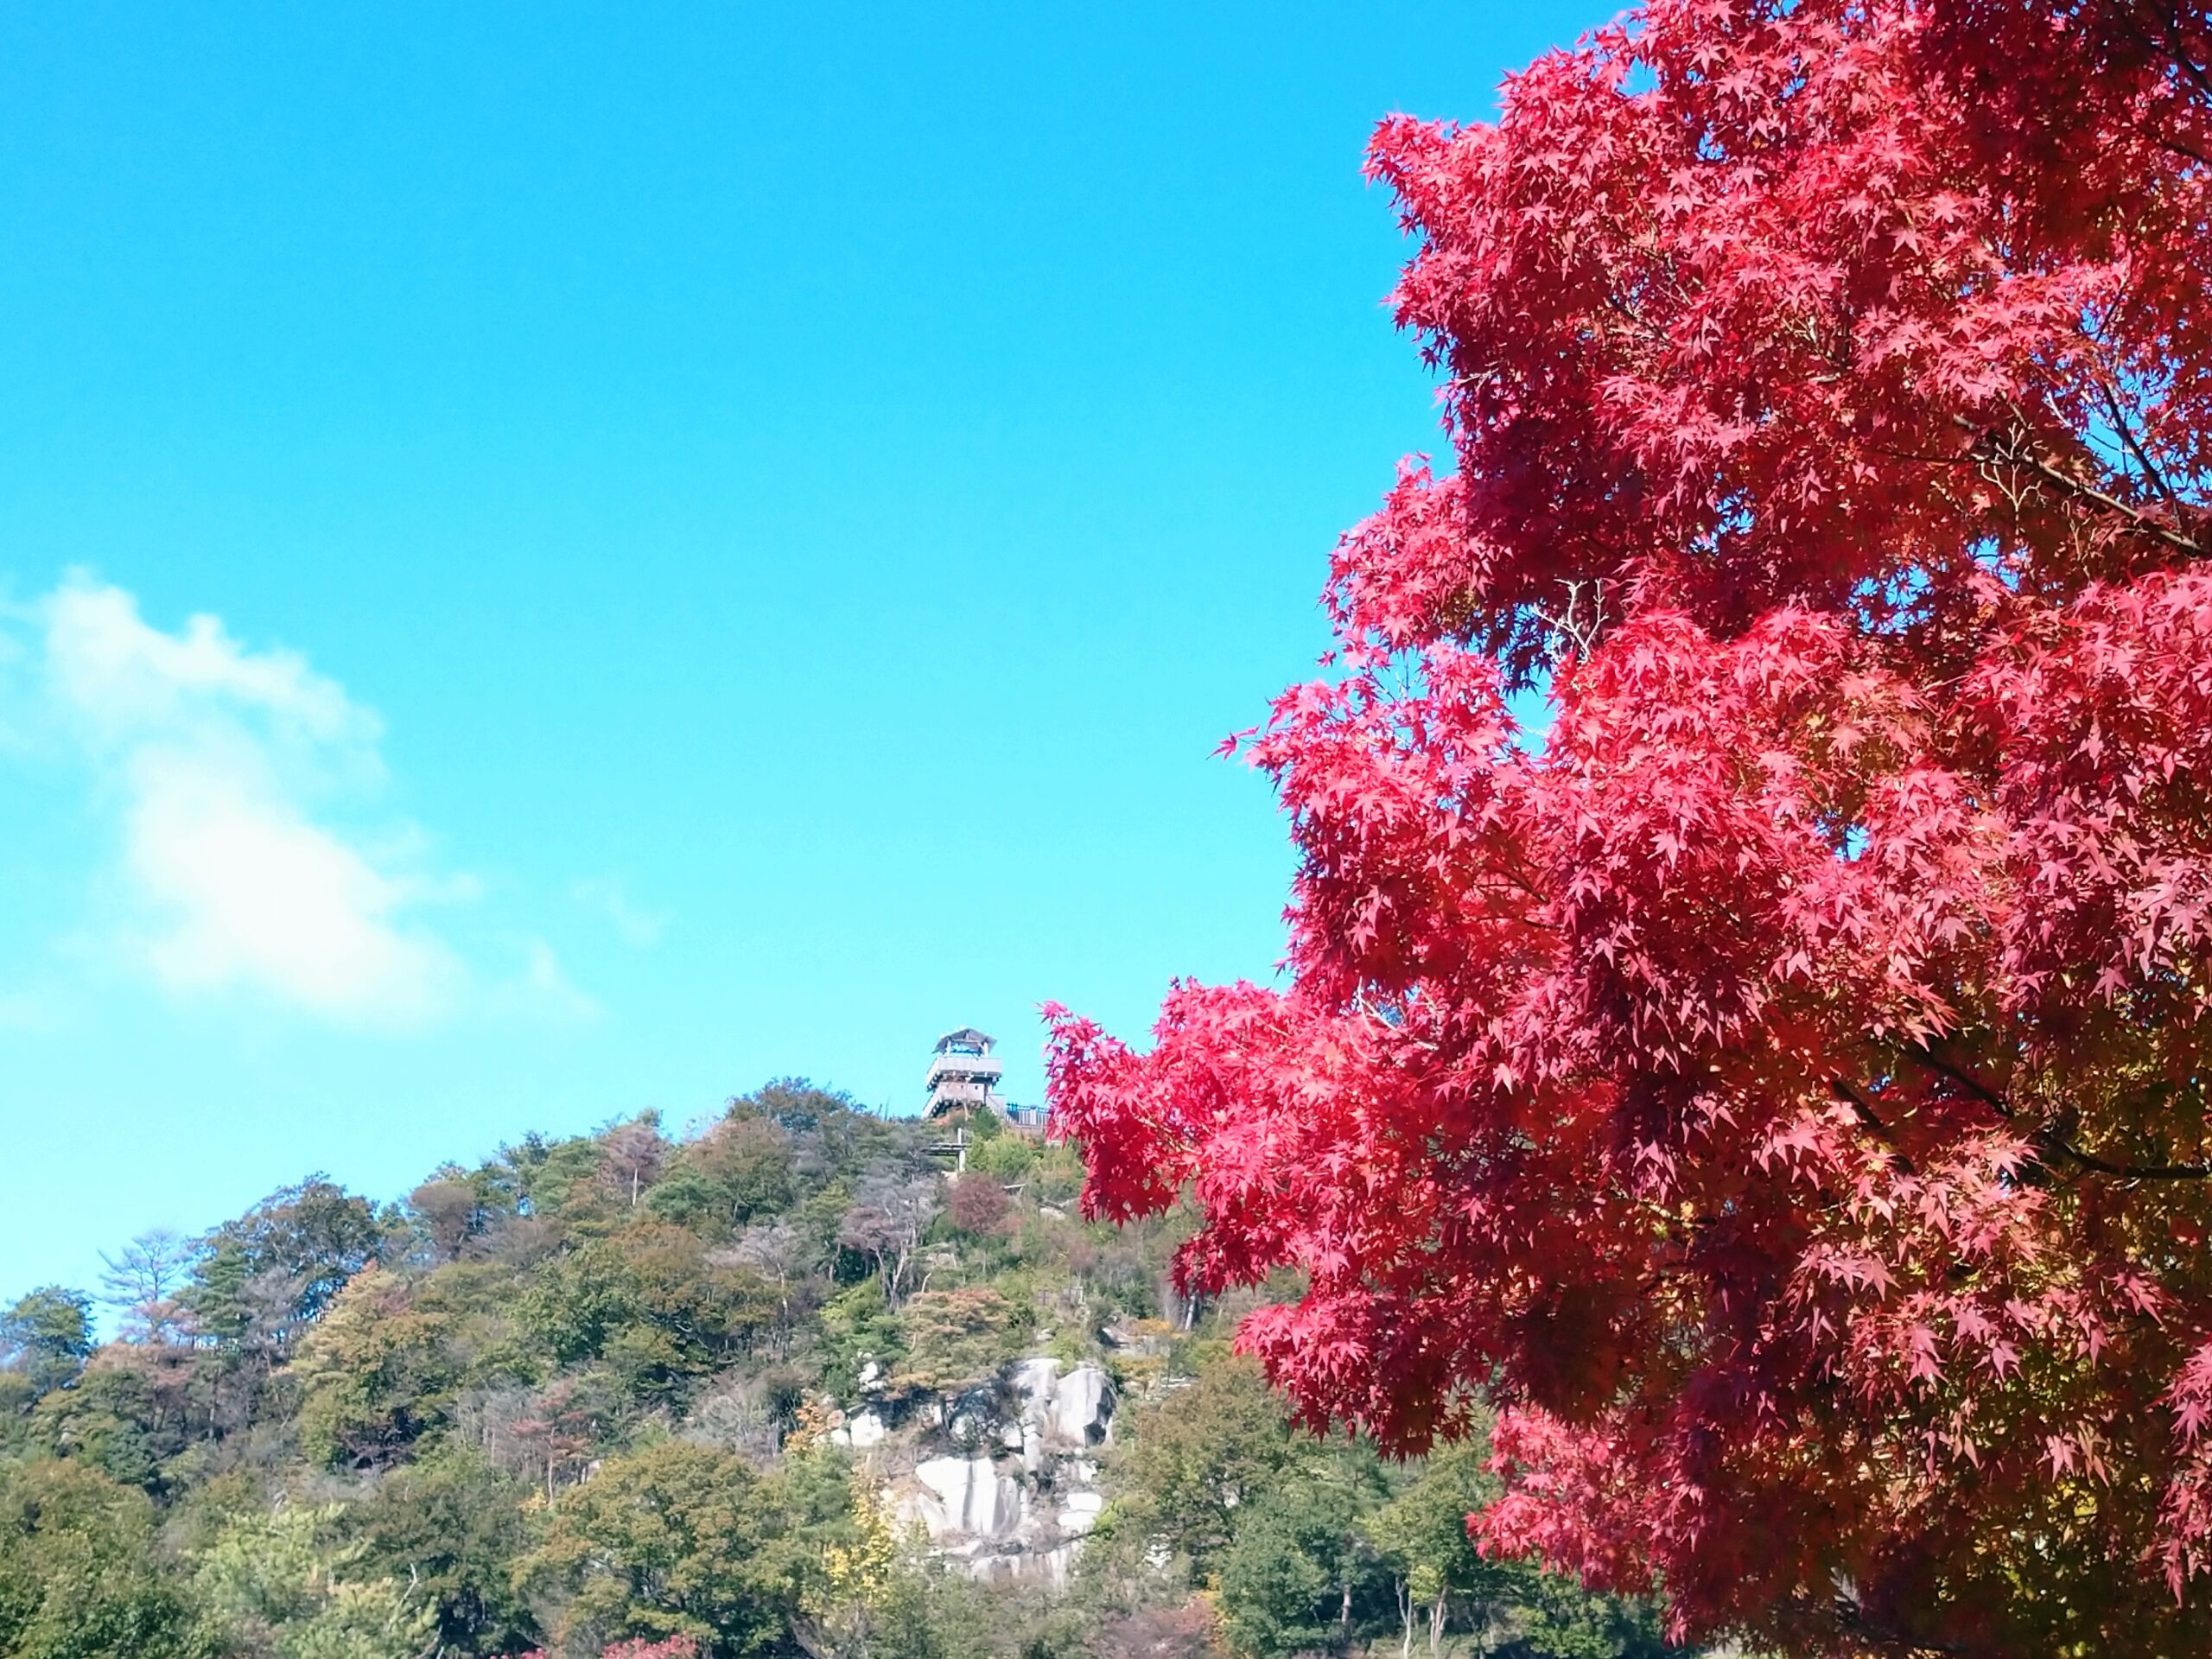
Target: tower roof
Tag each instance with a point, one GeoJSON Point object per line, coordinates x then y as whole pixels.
{"type": "Point", "coordinates": [966, 1040]}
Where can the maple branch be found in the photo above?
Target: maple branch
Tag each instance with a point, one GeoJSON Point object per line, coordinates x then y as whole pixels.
{"type": "Point", "coordinates": [1926, 1054]}
{"type": "Point", "coordinates": [1863, 1109]}
{"type": "Point", "coordinates": [1853, 1619]}
{"type": "Point", "coordinates": [2011, 449]}
{"type": "Point", "coordinates": [2126, 1172]}
{"type": "Point", "coordinates": [2169, 43]}
{"type": "Point", "coordinates": [2127, 436]}
{"type": "Point", "coordinates": [2185, 151]}
{"type": "Point", "coordinates": [1571, 628]}
{"type": "Point", "coordinates": [2047, 1140]}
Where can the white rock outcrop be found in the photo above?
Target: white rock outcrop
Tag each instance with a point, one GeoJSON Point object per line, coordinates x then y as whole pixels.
{"type": "Point", "coordinates": [1080, 1512]}
{"type": "Point", "coordinates": [997, 1519]}
{"type": "Point", "coordinates": [968, 1496]}
{"type": "Point", "coordinates": [1072, 1410]}
{"type": "Point", "coordinates": [1083, 1406]}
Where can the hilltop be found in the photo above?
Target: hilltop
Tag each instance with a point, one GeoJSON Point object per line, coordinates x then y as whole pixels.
{"type": "Point", "coordinates": [786, 1384]}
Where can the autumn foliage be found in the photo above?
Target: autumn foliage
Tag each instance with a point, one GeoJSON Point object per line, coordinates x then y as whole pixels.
{"type": "Point", "coordinates": [1778, 1078]}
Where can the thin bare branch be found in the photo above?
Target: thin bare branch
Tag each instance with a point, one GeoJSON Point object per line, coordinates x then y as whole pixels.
{"type": "Point", "coordinates": [2011, 450]}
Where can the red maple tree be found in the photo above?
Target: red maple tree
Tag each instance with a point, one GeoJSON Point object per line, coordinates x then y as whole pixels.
{"type": "Point", "coordinates": [1778, 1082]}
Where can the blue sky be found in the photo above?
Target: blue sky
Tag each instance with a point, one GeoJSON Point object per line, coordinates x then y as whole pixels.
{"type": "Point", "coordinates": [560, 561]}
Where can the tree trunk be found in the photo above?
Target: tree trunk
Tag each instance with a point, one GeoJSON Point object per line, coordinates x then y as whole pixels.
{"type": "Point", "coordinates": [1404, 1592]}
{"type": "Point", "coordinates": [1436, 1626]}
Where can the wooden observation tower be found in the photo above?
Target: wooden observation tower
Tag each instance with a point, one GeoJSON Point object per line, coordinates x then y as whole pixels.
{"type": "Point", "coordinates": [963, 1080]}
{"type": "Point", "coordinates": [963, 1076]}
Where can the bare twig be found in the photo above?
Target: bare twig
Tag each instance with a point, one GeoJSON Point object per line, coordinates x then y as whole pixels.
{"type": "Point", "coordinates": [1573, 627]}
{"type": "Point", "coordinates": [2010, 449]}
{"type": "Point", "coordinates": [2127, 436]}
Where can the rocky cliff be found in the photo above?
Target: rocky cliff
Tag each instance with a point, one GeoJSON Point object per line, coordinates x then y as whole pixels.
{"type": "Point", "coordinates": [1002, 1477]}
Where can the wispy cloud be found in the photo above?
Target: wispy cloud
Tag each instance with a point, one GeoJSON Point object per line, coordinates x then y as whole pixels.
{"type": "Point", "coordinates": [236, 778]}
{"type": "Point", "coordinates": [607, 898]}
{"type": "Point", "coordinates": [544, 989]}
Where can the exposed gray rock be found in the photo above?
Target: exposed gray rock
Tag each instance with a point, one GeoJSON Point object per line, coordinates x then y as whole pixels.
{"type": "Point", "coordinates": [968, 1496]}
{"type": "Point", "coordinates": [1076, 1409]}
{"type": "Point", "coordinates": [1034, 1380]}
{"type": "Point", "coordinates": [1083, 1406]}
{"type": "Point", "coordinates": [996, 1520]}
{"type": "Point", "coordinates": [1079, 1512]}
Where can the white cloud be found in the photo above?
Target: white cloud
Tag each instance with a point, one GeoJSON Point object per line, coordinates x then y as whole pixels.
{"type": "Point", "coordinates": [229, 770]}
{"type": "Point", "coordinates": [606, 897]}
{"type": "Point", "coordinates": [131, 680]}
{"type": "Point", "coordinates": [259, 895]}
{"type": "Point", "coordinates": [545, 989]}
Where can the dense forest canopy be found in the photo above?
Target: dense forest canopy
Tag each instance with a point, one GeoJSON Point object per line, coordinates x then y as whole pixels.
{"type": "Point", "coordinates": [597, 1396]}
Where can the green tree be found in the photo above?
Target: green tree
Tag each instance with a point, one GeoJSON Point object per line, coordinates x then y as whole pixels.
{"type": "Point", "coordinates": [1526, 1612]}
{"type": "Point", "coordinates": [123, 1413]}
{"type": "Point", "coordinates": [1300, 1571]}
{"type": "Point", "coordinates": [1201, 1454]}
{"type": "Point", "coordinates": [866, 1602]}
{"type": "Point", "coordinates": [216, 1301]}
{"type": "Point", "coordinates": [649, 1302]}
{"type": "Point", "coordinates": [1005, 1159]}
{"type": "Point", "coordinates": [1423, 1534]}
{"type": "Point", "coordinates": [1274, 1576]}
{"type": "Point", "coordinates": [799, 1107]}
{"type": "Point", "coordinates": [957, 1338]}
{"type": "Point", "coordinates": [1549, 1616]}
{"type": "Point", "coordinates": [579, 1301]}
{"type": "Point", "coordinates": [857, 1330]}
{"type": "Point", "coordinates": [376, 1371]}
{"type": "Point", "coordinates": [276, 1584]}
{"type": "Point", "coordinates": [79, 1574]}
{"type": "Point", "coordinates": [739, 1170]}
{"type": "Point", "coordinates": [45, 1337]}
{"type": "Point", "coordinates": [452, 1525]}
{"type": "Point", "coordinates": [681, 1539]}
{"type": "Point", "coordinates": [553, 1178]}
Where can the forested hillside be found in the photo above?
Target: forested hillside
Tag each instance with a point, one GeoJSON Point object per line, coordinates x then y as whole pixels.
{"type": "Point", "coordinates": [634, 1393]}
